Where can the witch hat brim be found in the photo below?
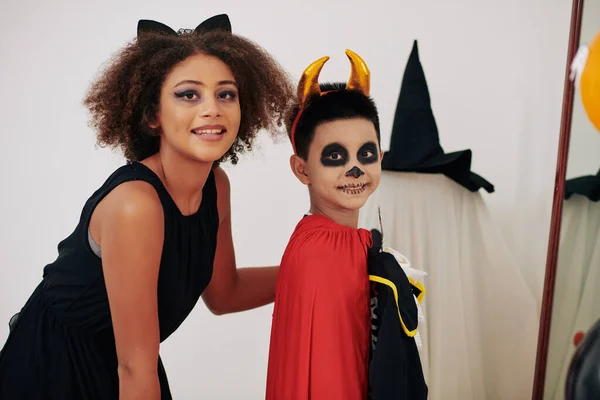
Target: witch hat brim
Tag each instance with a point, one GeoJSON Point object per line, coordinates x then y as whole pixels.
{"type": "Point", "coordinates": [415, 144]}
{"type": "Point", "coordinates": [588, 186]}
{"type": "Point", "coordinates": [456, 166]}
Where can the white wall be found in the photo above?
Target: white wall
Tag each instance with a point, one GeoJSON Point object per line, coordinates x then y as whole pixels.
{"type": "Point", "coordinates": [495, 73]}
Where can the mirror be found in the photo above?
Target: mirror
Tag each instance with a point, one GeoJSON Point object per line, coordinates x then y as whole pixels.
{"type": "Point", "coordinates": [576, 298]}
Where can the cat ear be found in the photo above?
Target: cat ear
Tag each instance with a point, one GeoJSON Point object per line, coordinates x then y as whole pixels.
{"type": "Point", "coordinates": [149, 26]}
{"type": "Point", "coordinates": [217, 23]}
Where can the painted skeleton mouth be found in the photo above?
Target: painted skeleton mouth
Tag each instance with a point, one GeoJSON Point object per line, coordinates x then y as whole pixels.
{"type": "Point", "coordinates": [353, 188]}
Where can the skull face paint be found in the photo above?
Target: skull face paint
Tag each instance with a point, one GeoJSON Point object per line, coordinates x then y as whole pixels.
{"type": "Point", "coordinates": [355, 172]}
{"type": "Point", "coordinates": [368, 153]}
{"type": "Point", "coordinates": [334, 155]}
{"type": "Point", "coordinates": [343, 163]}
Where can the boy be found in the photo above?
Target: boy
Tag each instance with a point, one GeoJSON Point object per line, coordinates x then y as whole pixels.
{"type": "Point", "coordinates": [321, 320]}
{"type": "Point", "coordinates": [321, 333]}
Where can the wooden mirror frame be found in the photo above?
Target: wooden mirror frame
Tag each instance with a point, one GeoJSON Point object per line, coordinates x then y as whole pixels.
{"type": "Point", "coordinates": [557, 202]}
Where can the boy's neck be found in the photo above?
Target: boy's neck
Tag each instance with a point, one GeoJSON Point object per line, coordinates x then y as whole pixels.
{"type": "Point", "coordinates": [347, 218]}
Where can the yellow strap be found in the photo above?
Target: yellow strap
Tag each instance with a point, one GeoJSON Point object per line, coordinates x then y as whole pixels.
{"type": "Point", "coordinates": [391, 285]}
{"type": "Point", "coordinates": [419, 286]}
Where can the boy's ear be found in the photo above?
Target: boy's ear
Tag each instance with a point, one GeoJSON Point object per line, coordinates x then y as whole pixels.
{"type": "Point", "coordinates": [298, 166]}
{"type": "Point", "coordinates": [381, 153]}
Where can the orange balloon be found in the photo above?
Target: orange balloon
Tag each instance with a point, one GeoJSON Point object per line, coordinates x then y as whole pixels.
{"type": "Point", "coordinates": [590, 83]}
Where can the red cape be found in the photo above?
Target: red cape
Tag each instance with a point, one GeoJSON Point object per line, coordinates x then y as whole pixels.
{"type": "Point", "coordinates": [321, 320]}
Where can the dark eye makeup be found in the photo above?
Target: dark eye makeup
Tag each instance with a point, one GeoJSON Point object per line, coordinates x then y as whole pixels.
{"type": "Point", "coordinates": [187, 94]}
{"type": "Point", "coordinates": [334, 155]}
{"type": "Point", "coordinates": [194, 94]}
{"type": "Point", "coordinates": [367, 154]}
{"type": "Point", "coordinates": [227, 95]}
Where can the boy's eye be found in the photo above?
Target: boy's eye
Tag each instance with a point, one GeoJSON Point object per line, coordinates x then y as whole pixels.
{"type": "Point", "coordinates": [367, 154]}
{"type": "Point", "coordinates": [334, 155]}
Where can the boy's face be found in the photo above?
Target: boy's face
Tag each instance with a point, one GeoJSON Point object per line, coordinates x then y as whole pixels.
{"type": "Point", "coordinates": [344, 164]}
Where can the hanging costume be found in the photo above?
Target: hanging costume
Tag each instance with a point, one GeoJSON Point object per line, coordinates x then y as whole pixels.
{"type": "Point", "coordinates": [395, 370]}
{"type": "Point", "coordinates": [480, 335]}
{"type": "Point", "coordinates": [321, 332]}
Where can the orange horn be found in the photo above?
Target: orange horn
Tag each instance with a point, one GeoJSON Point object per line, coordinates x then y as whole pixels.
{"type": "Point", "coordinates": [309, 82]}
{"type": "Point", "coordinates": [360, 77]}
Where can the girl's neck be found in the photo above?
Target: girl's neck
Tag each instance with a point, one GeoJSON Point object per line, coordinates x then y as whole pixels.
{"type": "Point", "coordinates": [183, 178]}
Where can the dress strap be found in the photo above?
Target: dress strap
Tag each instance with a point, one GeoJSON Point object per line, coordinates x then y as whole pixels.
{"type": "Point", "coordinates": [129, 172]}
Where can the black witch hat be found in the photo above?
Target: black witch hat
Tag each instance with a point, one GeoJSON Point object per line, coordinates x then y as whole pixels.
{"type": "Point", "coordinates": [588, 186]}
{"type": "Point", "coordinates": [415, 144]}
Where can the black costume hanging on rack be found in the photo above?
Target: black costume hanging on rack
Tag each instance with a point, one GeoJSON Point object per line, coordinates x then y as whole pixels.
{"type": "Point", "coordinates": [395, 370]}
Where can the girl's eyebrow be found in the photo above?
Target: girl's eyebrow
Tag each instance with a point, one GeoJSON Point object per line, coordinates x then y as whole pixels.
{"type": "Point", "coordinates": [191, 81]}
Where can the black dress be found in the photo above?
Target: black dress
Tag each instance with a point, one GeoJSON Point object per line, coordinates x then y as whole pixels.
{"type": "Point", "coordinates": [61, 345]}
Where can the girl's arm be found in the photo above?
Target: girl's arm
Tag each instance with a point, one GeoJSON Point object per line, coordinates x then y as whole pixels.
{"type": "Point", "coordinates": [232, 289]}
{"type": "Point", "coordinates": [129, 226]}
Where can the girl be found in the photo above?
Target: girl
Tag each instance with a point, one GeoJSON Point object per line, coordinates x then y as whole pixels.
{"type": "Point", "coordinates": [157, 234]}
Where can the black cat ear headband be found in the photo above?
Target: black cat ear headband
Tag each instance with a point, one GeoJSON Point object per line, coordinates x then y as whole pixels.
{"type": "Point", "coordinates": [217, 23]}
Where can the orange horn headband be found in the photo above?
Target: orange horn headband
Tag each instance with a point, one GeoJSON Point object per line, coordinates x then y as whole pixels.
{"type": "Point", "coordinates": [308, 87]}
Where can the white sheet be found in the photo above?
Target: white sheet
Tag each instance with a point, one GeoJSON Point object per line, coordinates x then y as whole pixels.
{"type": "Point", "coordinates": [480, 335]}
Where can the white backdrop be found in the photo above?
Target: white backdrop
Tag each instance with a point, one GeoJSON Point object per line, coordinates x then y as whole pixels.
{"type": "Point", "coordinates": [495, 73]}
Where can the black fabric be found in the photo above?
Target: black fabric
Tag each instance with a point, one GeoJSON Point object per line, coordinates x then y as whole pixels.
{"type": "Point", "coordinates": [61, 345]}
{"type": "Point", "coordinates": [415, 143]}
{"type": "Point", "coordinates": [588, 186]}
{"type": "Point", "coordinates": [583, 376]}
{"type": "Point", "coordinates": [395, 370]}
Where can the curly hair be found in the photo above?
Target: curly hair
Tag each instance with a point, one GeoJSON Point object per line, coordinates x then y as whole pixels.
{"type": "Point", "coordinates": [124, 100]}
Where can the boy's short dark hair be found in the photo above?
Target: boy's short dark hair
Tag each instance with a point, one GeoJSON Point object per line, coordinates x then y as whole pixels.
{"type": "Point", "coordinates": [339, 103]}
